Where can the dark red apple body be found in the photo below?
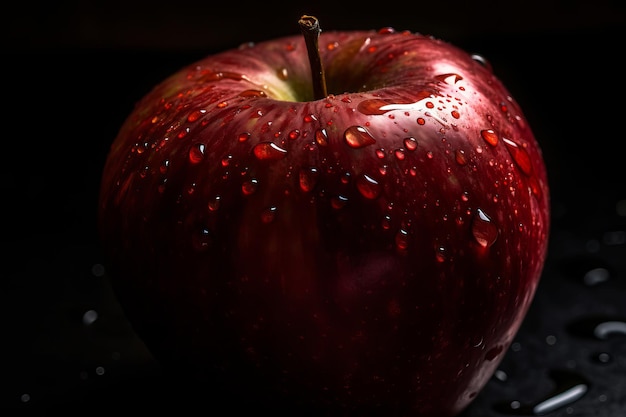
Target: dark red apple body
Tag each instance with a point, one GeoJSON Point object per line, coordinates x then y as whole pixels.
{"type": "Point", "coordinates": [374, 250]}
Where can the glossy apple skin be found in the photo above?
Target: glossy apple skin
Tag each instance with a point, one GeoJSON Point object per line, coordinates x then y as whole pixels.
{"type": "Point", "coordinates": [373, 251]}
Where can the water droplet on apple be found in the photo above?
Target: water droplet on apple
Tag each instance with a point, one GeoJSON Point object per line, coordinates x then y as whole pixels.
{"type": "Point", "coordinates": [520, 156]}
{"type": "Point", "coordinates": [368, 186]}
{"type": "Point", "coordinates": [243, 137]}
{"type": "Point", "coordinates": [294, 134]}
{"type": "Point", "coordinates": [483, 229]}
{"type": "Point", "coordinates": [449, 78]}
{"type": "Point", "coordinates": [164, 166]}
{"type": "Point", "coordinates": [195, 115]}
{"type": "Point", "coordinates": [421, 121]}
{"type": "Point", "coordinates": [249, 187]}
{"type": "Point", "coordinates": [410, 143]}
{"type": "Point", "coordinates": [338, 201]}
{"type": "Point", "coordinates": [309, 118]}
{"type": "Point", "coordinates": [459, 156]}
{"type": "Point", "coordinates": [321, 137]}
{"type": "Point", "coordinates": [282, 73]}
{"type": "Point", "coordinates": [372, 106]}
{"type": "Point", "coordinates": [440, 254]}
{"type": "Point", "coordinates": [214, 203]}
{"type": "Point", "coordinates": [252, 93]}
{"type": "Point", "coordinates": [264, 151]}
{"type": "Point", "coordinates": [399, 154]}
{"type": "Point", "coordinates": [201, 239]}
{"type": "Point", "coordinates": [482, 61]}
{"type": "Point", "coordinates": [358, 137]}
{"type": "Point", "coordinates": [402, 239]}
{"type": "Point", "coordinates": [490, 136]}
{"type": "Point", "coordinates": [196, 153]}
{"type": "Point", "coordinates": [308, 178]}
{"type": "Point", "coordinates": [269, 214]}
{"type": "Point", "coordinates": [386, 222]}
{"type": "Point", "coordinates": [455, 114]}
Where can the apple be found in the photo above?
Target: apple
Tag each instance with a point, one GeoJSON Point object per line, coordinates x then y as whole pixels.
{"type": "Point", "coordinates": [351, 222]}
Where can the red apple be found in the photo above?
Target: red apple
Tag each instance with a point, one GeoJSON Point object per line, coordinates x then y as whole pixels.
{"type": "Point", "coordinates": [367, 239]}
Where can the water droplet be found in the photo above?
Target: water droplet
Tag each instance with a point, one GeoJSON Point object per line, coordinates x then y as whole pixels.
{"type": "Point", "coordinates": [196, 153]}
{"type": "Point", "coordinates": [410, 143]}
{"type": "Point", "coordinates": [482, 61]}
{"type": "Point", "coordinates": [570, 387]}
{"type": "Point", "coordinates": [520, 156]}
{"type": "Point", "coordinates": [378, 106]}
{"type": "Point", "coordinates": [483, 229]}
{"type": "Point", "coordinates": [269, 214]}
{"type": "Point", "coordinates": [331, 46]}
{"type": "Point", "coordinates": [321, 137]}
{"type": "Point", "coordinates": [358, 137]}
{"type": "Point", "coordinates": [195, 115]}
{"type": "Point", "coordinates": [490, 136]}
{"type": "Point", "coordinates": [338, 201]}
{"type": "Point", "coordinates": [90, 317]}
{"type": "Point", "coordinates": [243, 137]}
{"type": "Point", "coordinates": [455, 114]}
{"type": "Point", "coordinates": [265, 151]}
{"type": "Point", "coordinates": [402, 239]}
{"type": "Point", "coordinates": [226, 160]}
{"type": "Point", "coordinates": [596, 276]}
{"type": "Point", "coordinates": [459, 156]}
{"type": "Point", "coordinates": [201, 240]}
{"type": "Point", "coordinates": [399, 154]}
{"type": "Point", "coordinates": [310, 118]}
{"type": "Point", "coordinates": [252, 93]}
{"type": "Point", "coordinates": [214, 203]}
{"type": "Point", "coordinates": [249, 187]}
{"type": "Point", "coordinates": [182, 133]}
{"type": "Point", "coordinates": [421, 121]}
{"type": "Point", "coordinates": [164, 166]}
{"type": "Point", "coordinates": [449, 78]}
{"type": "Point", "coordinates": [282, 73]}
{"type": "Point", "coordinates": [440, 254]}
{"type": "Point", "coordinates": [294, 134]}
{"type": "Point", "coordinates": [308, 178]}
{"type": "Point", "coordinates": [368, 187]}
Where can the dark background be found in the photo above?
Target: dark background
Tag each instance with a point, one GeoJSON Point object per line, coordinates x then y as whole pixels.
{"type": "Point", "coordinates": [74, 69]}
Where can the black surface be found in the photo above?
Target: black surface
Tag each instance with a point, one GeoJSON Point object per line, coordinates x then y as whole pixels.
{"type": "Point", "coordinates": [66, 102]}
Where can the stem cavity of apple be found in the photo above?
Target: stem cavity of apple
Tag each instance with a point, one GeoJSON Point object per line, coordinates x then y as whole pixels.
{"type": "Point", "coordinates": [310, 27]}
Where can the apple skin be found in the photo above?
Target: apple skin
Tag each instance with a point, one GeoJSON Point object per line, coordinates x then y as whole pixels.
{"type": "Point", "coordinates": [373, 251]}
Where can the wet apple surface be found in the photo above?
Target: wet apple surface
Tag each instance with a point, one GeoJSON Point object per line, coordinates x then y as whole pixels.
{"type": "Point", "coordinates": [373, 249]}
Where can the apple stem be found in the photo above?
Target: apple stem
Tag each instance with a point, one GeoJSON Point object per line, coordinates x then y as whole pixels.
{"type": "Point", "coordinates": [310, 27]}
